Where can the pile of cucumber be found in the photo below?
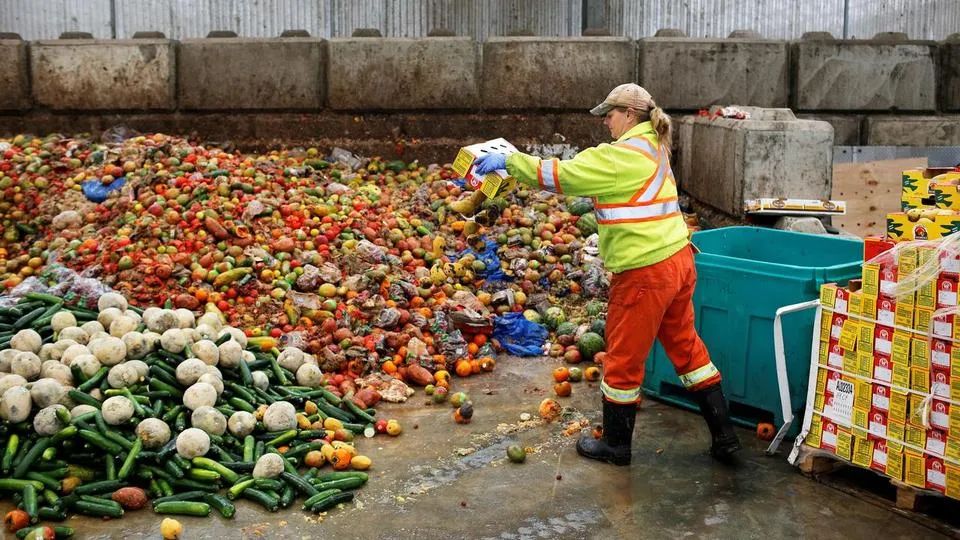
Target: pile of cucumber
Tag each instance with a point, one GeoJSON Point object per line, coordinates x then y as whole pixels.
{"type": "Point", "coordinates": [78, 469]}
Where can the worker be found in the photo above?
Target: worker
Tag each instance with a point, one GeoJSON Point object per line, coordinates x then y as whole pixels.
{"type": "Point", "coordinates": [644, 242]}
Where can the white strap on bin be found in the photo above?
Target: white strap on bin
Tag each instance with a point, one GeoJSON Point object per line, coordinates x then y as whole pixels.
{"type": "Point", "coordinates": [783, 381]}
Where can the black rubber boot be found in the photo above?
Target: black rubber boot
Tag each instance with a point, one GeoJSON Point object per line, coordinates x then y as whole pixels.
{"type": "Point", "coordinates": [614, 446]}
{"type": "Point", "coordinates": [713, 406]}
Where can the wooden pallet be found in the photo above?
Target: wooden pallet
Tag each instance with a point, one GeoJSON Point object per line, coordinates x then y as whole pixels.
{"type": "Point", "coordinates": [814, 463]}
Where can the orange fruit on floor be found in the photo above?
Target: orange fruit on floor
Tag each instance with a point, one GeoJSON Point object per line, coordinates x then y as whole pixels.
{"type": "Point", "coordinates": [475, 367]}
{"type": "Point", "coordinates": [463, 368]}
{"type": "Point", "coordinates": [561, 374]}
{"type": "Point", "coordinates": [766, 431]}
{"type": "Point", "coordinates": [592, 373]}
{"type": "Point", "coordinates": [563, 389]}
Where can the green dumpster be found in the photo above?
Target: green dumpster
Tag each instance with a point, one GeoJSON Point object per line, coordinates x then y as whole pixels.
{"type": "Point", "coordinates": [744, 275]}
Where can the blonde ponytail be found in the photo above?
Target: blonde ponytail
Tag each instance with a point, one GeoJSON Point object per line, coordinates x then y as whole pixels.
{"type": "Point", "coordinates": [663, 126]}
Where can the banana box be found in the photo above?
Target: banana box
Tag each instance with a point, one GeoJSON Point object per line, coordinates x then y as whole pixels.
{"type": "Point", "coordinates": [916, 224]}
{"type": "Point", "coordinates": [916, 182]}
{"type": "Point", "coordinates": [946, 196]}
{"type": "Point", "coordinates": [493, 182]}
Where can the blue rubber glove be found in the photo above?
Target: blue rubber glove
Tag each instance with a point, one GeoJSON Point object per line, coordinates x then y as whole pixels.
{"type": "Point", "coordinates": [488, 163]}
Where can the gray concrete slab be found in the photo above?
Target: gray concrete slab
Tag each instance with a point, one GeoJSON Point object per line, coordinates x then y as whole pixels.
{"type": "Point", "coordinates": [396, 73]}
{"type": "Point", "coordinates": [241, 73]}
{"type": "Point", "coordinates": [14, 78]}
{"type": "Point", "coordinates": [554, 73]}
{"type": "Point", "coordinates": [912, 130]}
{"type": "Point", "coordinates": [687, 74]}
{"type": "Point", "coordinates": [90, 74]}
{"type": "Point", "coordinates": [439, 480]}
{"type": "Point", "coordinates": [846, 127]}
{"type": "Point", "coordinates": [864, 75]}
{"type": "Point", "coordinates": [723, 162]}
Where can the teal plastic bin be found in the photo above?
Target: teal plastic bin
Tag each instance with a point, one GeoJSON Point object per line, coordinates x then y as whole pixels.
{"type": "Point", "coordinates": [744, 275]}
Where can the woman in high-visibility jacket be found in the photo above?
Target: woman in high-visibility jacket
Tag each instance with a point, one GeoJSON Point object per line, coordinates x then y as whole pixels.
{"type": "Point", "coordinates": [645, 243]}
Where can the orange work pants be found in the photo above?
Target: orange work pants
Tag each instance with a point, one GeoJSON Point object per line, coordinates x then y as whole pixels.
{"type": "Point", "coordinates": [654, 302]}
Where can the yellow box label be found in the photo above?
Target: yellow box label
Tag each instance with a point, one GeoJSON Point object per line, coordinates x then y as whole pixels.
{"type": "Point", "coordinates": [913, 413]}
{"type": "Point", "coordinates": [907, 256]}
{"type": "Point", "coordinates": [919, 352]}
{"type": "Point", "coordinates": [953, 482]}
{"type": "Point", "coordinates": [914, 472]}
{"type": "Point", "coordinates": [901, 346]}
{"type": "Point", "coordinates": [818, 401]}
{"type": "Point", "coordinates": [844, 443]}
{"type": "Point", "coordinates": [920, 380]}
{"type": "Point", "coordinates": [916, 182]}
{"type": "Point", "coordinates": [871, 279]}
{"type": "Point", "coordinates": [954, 430]}
{"type": "Point", "coordinates": [921, 318]}
{"type": "Point", "coordinates": [816, 428]}
{"type": "Point", "coordinates": [849, 334]}
{"type": "Point", "coordinates": [855, 304]}
{"type": "Point", "coordinates": [894, 463]}
{"type": "Point", "coordinates": [901, 375]}
{"type": "Point", "coordinates": [826, 323]}
{"type": "Point", "coordinates": [463, 161]}
{"type": "Point", "coordinates": [868, 307]}
{"type": "Point", "coordinates": [907, 300]}
{"type": "Point", "coordinates": [861, 418]}
{"type": "Point", "coordinates": [945, 196]}
{"type": "Point", "coordinates": [895, 430]}
{"type": "Point", "coordinates": [924, 254]}
{"type": "Point", "coordinates": [828, 295]}
{"type": "Point", "coordinates": [851, 361]}
{"type": "Point", "coordinates": [903, 316]}
{"type": "Point", "coordinates": [864, 364]}
{"type": "Point", "coordinates": [862, 395]}
{"type": "Point", "coordinates": [824, 355]}
{"type": "Point", "coordinates": [953, 449]}
{"type": "Point", "coordinates": [917, 436]}
{"type": "Point", "coordinates": [865, 338]}
{"type": "Point", "coordinates": [898, 407]}
{"type": "Point", "coordinates": [862, 452]}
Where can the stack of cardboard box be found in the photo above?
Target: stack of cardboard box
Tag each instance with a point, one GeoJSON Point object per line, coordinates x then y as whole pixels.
{"type": "Point", "coordinates": [930, 203]}
{"type": "Point", "coordinates": [888, 378]}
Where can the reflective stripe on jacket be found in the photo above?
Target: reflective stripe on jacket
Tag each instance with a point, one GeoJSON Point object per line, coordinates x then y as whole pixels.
{"type": "Point", "coordinates": [634, 192]}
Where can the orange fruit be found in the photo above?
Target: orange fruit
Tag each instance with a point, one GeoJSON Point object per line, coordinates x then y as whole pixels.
{"type": "Point", "coordinates": [561, 374]}
{"type": "Point", "coordinates": [563, 389]}
{"type": "Point", "coordinates": [463, 368]}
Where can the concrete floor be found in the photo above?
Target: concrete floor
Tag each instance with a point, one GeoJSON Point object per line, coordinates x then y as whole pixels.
{"type": "Point", "coordinates": [443, 480]}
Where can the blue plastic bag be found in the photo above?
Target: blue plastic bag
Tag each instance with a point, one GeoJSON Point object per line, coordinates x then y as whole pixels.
{"type": "Point", "coordinates": [97, 191]}
{"type": "Point", "coordinates": [519, 336]}
{"type": "Point", "coordinates": [493, 272]}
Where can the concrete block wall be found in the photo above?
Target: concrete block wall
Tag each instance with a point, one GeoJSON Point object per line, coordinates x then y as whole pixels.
{"type": "Point", "coordinates": [878, 91]}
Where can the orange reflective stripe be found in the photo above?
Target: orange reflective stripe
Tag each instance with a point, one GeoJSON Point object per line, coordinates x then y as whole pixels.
{"type": "Point", "coordinates": [548, 175]}
{"type": "Point", "coordinates": [652, 186]}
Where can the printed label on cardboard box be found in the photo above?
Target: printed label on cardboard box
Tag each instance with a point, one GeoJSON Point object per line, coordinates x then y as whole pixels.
{"type": "Point", "coordinates": [936, 442]}
{"type": "Point", "coordinates": [835, 358]}
{"type": "Point", "coordinates": [868, 307]}
{"type": "Point", "coordinates": [940, 351]}
{"type": "Point", "coordinates": [881, 397]}
{"type": "Point", "coordinates": [953, 448]}
{"type": "Point", "coordinates": [862, 395]}
{"type": "Point", "coordinates": [828, 437]}
{"type": "Point", "coordinates": [920, 379]}
{"type": "Point", "coordinates": [864, 365]}
{"type": "Point", "coordinates": [831, 381]}
{"type": "Point", "coordinates": [828, 295]}
{"type": "Point", "coordinates": [856, 303]}
{"type": "Point", "coordinates": [953, 482]}
{"type": "Point", "coordinates": [914, 469]}
{"type": "Point", "coordinates": [946, 291]}
{"type": "Point", "coordinates": [867, 335]}
{"type": "Point", "coordinates": [818, 401]}
{"type": "Point", "coordinates": [915, 435]}
{"type": "Point", "coordinates": [895, 431]}
{"type": "Point", "coordinates": [914, 414]}
{"type": "Point", "coordinates": [844, 443]}
{"type": "Point", "coordinates": [901, 375]}
{"type": "Point", "coordinates": [919, 352]}
{"type": "Point", "coordinates": [824, 353]}
{"type": "Point", "coordinates": [878, 456]}
{"type": "Point", "coordinates": [955, 423]}
{"type": "Point", "coordinates": [901, 346]}
{"type": "Point", "coordinates": [936, 474]}
{"type": "Point", "coordinates": [940, 382]}
{"type": "Point", "coordinates": [837, 328]}
{"type": "Point", "coordinates": [945, 196]}
{"type": "Point", "coordinates": [904, 316]}
{"type": "Point", "coordinates": [894, 462]}
{"type": "Point", "coordinates": [921, 320]}
{"type": "Point", "coordinates": [882, 368]}
{"type": "Point", "coordinates": [871, 279]}
{"type": "Point", "coordinates": [898, 407]}
{"type": "Point", "coordinates": [813, 436]}
{"type": "Point", "coordinates": [849, 335]}
{"type": "Point", "coordinates": [877, 424]}
{"type": "Point", "coordinates": [826, 323]}
{"type": "Point", "coordinates": [943, 325]}
{"type": "Point", "coordinates": [861, 418]}
{"type": "Point", "coordinates": [883, 340]}
{"type": "Point", "coordinates": [851, 359]}
{"type": "Point", "coordinates": [940, 414]}
{"type": "Point", "coordinates": [949, 262]}
{"type": "Point", "coordinates": [862, 451]}
{"type": "Point", "coordinates": [842, 302]}
{"type": "Point", "coordinates": [841, 406]}
{"type": "Point", "coordinates": [888, 280]}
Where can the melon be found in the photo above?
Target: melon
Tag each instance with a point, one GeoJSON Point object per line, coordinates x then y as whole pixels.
{"type": "Point", "coordinates": [599, 327]}
{"type": "Point", "coordinates": [532, 315]}
{"type": "Point", "coordinates": [590, 344]}
{"type": "Point", "coordinates": [580, 206]}
{"type": "Point", "coordinates": [553, 317]}
{"type": "Point", "coordinates": [566, 328]}
{"type": "Point", "coordinates": [594, 308]}
{"type": "Point", "coordinates": [587, 224]}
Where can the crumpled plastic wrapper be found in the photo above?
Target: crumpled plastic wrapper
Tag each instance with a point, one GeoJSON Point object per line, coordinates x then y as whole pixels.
{"type": "Point", "coordinates": [391, 389]}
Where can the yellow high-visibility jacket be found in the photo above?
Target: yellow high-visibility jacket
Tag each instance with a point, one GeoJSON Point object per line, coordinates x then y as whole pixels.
{"type": "Point", "coordinates": [634, 192]}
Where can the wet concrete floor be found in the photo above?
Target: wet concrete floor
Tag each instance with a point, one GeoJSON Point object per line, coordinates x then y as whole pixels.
{"type": "Point", "coordinates": [442, 480]}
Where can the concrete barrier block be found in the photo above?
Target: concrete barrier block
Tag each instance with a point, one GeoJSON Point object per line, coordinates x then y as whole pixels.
{"type": "Point", "coordinates": [95, 74]}
{"type": "Point", "coordinates": [912, 130]}
{"type": "Point", "coordinates": [399, 73]}
{"type": "Point", "coordinates": [950, 73]}
{"type": "Point", "coordinates": [242, 73]}
{"type": "Point", "coordinates": [846, 127]}
{"type": "Point", "coordinates": [552, 73]}
{"type": "Point", "coordinates": [867, 75]}
{"type": "Point", "coordinates": [724, 162]}
{"type": "Point", "coordinates": [14, 78]}
{"type": "Point", "coordinates": [687, 74]}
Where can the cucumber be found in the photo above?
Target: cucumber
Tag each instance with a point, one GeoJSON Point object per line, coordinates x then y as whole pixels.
{"type": "Point", "coordinates": [181, 497]}
{"type": "Point", "coordinates": [299, 483]}
{"type": "Point", "coordinates": [29, 494]}
{"type": "Point", "coordinates": [211, 465]}
{"type": "Point", "coordinates": [307, 504]}
{"type": "Point", "coordinates": [270, 502]}
{"type": "Point", "coordinates": [343, 483]}
{"type": "Point", "coordinates": [183, 508]}
{"type": "Point", "coordinates": [88, 508]}
{"type": "Point", "coordinates": [102, 486]}
{"type": "Point", "coordinates": [330, 502]}
{"type": "Point", "coordinates": [34, 454]}
{"type": "Point", "coordinates": [340, 475]}
{"type": "Point", "coordinates": [220, 504]}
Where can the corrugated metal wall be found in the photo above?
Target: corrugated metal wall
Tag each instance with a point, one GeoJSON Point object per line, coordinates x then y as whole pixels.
{"type": "Point", "coordinates": [480, 19]}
